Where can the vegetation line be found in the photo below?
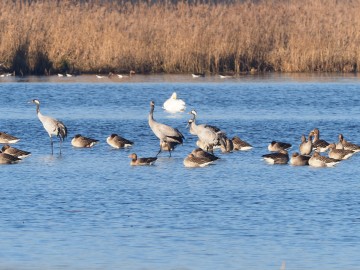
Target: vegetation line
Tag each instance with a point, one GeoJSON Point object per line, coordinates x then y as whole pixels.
{"type": "Point", "coordinates": [93, 36]}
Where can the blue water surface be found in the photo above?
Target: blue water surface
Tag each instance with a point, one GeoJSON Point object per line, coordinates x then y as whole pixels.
{"type": "Point", "coordinates": [89, 209]}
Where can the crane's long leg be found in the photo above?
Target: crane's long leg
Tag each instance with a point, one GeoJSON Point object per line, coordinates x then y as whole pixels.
{"type": "Point", "coordinates": [60, 145]}
{"type": "Point", "coordinates": [52, 145]}
{"type": "Point", "coordinates": [159, 151]}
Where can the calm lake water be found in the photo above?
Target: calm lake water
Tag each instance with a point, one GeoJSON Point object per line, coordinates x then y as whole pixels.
{"type": "Point", "coordinates": [89, 209]}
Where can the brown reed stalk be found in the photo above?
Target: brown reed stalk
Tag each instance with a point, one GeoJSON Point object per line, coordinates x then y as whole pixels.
{"type": "Point", "coordinates": [43, 36]}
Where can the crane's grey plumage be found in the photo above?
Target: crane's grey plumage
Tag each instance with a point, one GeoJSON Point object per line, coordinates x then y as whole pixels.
{"type": "Point", "coordinates": [51, 125]}
{"type": "Point", "coordinates": [165, 133]}
{"type": "Point", "coordinates": [209, 136]}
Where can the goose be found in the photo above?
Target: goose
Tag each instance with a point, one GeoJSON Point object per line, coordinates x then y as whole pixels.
{"type": "Point", "coordinates": [339, 153]}
{"type": "Point", "coordinates": [117, 141]}
{"type": "Point", "coordinates": [83, 142]}
{"type": "Point", "coordinates": [7, 138]}
{"type": "Point", "coordinates": [317, 160]}
{"type": "Point", "coordinates": [8, 159]}
{"type": "Point", "coordinates": [135, 161]}
{"type": "Point", "coordinates": [165, 133]}
{"type": "Point", "coordinates": [192, 161]}
{"type": "Point", "coordinates": [299, 160]}
{"type": "Point", "coordinates": [306, 145]}
{"type": "Point", "coordinates": [100, 76]}
{"type": "Point", "coordinates": [348, 145]}
{"type": "Point", "coordinates": [198, 75]}
{"type": "Point", "coordinates": [7, 149]}
{"type": "Point", "coordinates": [174, 105]}
{"type": "Point", "coordinates": [240, 144]}
{"type": "Point", "coordinates": [60, 75]}
{"type": "Point", "coordinates": [226, 75]}
{"type": "Point", "coordinates": [318, 144]}
{"type": "Point", "coordinates": [200, 153]}
{"type": "Point", "coordinates": [51, 125]}
{"type": "Point", "coordinates": [281, 157]}
{"type": "Point", "coordinates": [132, 72]}
{"type": "Point", "coordinates": [226, 146]}
{"type": "Point", "coordinates": [276, 146]}
{"type": "Point", "coordinates": [68, 75]}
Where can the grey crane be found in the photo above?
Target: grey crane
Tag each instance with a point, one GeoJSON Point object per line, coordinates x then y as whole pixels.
{"type": "Point", "coordinates": [166, 134]}
{"type": "Point", "coordinates": [210, 136]}
{"type": "Point", "coordinates": [51, 125]}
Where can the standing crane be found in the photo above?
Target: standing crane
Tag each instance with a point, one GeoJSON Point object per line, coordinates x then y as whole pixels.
{"type": "Point", "coordinates": [51, 125]}
{"type": "Point", "coordinates": [167, 135]}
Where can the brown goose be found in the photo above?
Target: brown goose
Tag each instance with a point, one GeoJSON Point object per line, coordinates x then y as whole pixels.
{"type": "Point", "coordinates": [200, 153]}
{"type": "Point", "coordinates": [275, 146]}
{"type": "Point", "coordinates": [192, 161]}
{"type": "Point", "coordinates": [306, 146]}
{"type": "Point", "coordinates": [83, 142]}
{"type": "Point", "coordinates": [227, 145]}
{"type": "Point", "coordinates": [7, 138]}
{"type": "Point", "coordinates": [7, 149]}
{"type": "Point", "coordinates": [318, 144]}
{"type": "Point", "coordinates": [135, 161]}
{"type": "Point", "coordinates": [339, 153]}
{"type": "Point", "coordinates": [318, 160]}
{"type": "Point", "coordinates": [117, 141]}
{"type": "Point", "coordinates": [240, 144]}
{"type": "Point", "coordinates": [8, 159]}
{"type": "Point", "coordinates": [281, 157]}
{"type": "Point", "coordinates": [299, 160]}
{"type": "Point", "coordinates": [348, 145]}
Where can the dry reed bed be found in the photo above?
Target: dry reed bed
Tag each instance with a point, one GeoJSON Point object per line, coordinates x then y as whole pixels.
{"type": "Point", "coordinates": [288, 36]}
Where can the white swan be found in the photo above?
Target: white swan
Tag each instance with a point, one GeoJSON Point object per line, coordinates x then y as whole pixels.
{"type": "Point", "coordinates": [174, 105]}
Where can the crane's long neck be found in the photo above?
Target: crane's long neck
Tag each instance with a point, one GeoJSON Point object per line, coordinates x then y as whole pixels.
{"type": "Point", "coordinates": [37, 109]}
{"type": "Point", "coordinates": [151, 115]}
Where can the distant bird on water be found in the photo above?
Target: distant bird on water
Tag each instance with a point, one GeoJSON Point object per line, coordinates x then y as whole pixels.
{"type": "Point", "coordinates": [80, 141]}
{"type": "Point", "coordinates": [7, 149]}
{"type": "Point", "coordinates": [117, 141]}
{"type": "Point", "coordinates": [7, 138]}
{"type": "Point", "coordinates": [135, 161]}
{"type": "Point", "coordinates": [165, 133]}
{"type": "Point", "coordinates": [174, 105]}
{"type": "Point", "coordinates": [51, 125]}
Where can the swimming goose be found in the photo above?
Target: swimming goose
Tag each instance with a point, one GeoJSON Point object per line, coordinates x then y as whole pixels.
{"type": "Point", "coordinates": [192, 161]}
{"type": "Point", "coordinates": [200, 153]}
{"type": "Point", "coordinates": [8, 159]}
{"type": "Point", "coordinates": [135, 161]}
{"type": "Point", "coordinates": [100, 76]}
{"type": "Point", "coordinates": [306, 145]}
{"type": "Point", "coordinates": [240, 144]}
{"type": "Point", "coordinates": [83, 142]}
{"type": "Point", "coordinates": [132, 72]}
{"type": "Point", "coordinates": [174, 105]}
{"type": "Point", "coordinates": [164, 132]}
{"type": "Point", "coordinates": [339, 153]}
{"type": "Point", "coordinates": [281, 157]}
{"type": "Point", "coordinates": [275, 146]}
{"type": "Point", "coordinates": [226, 145]}
{"type": "Point", "coordinates": [117, 141]}
{"type": "Point", "coordinates": [51, 125]}
{"type": "Point", "coordinates": [198, 75]}
{"type": "Point", "coordinates": [317, 160]}
{"type": "Point", "coordinates": [299, 160]}
{"type": "Point", "coordinates": [348, 145]}
{"type": "Point", "coordinates": [7, 138]}
{"type": "Point", "coordinates": [7, 149]}
{"type": "Point", "coordinates": [318, 144]}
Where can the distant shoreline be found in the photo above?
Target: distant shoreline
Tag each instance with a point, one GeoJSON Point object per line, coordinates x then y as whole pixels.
{"type": "Point", "coordinates": [99, 37]}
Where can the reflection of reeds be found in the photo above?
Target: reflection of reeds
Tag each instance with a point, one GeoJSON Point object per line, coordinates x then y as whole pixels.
{"type": "Point", "coordinates": [290, 36]}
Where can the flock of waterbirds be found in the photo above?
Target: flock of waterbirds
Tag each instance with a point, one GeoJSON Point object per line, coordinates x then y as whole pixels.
{"type": "Point", "coordinates": [209, 138]}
